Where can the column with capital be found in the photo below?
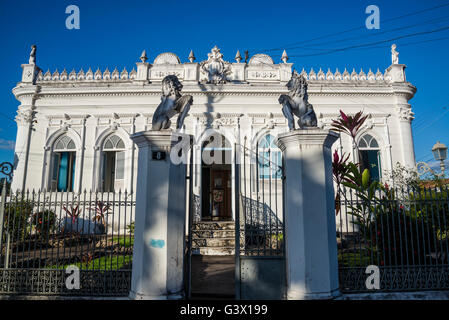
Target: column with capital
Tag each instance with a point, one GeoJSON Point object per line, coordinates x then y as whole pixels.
{"type": "Point", "coordinates": [405, 117]}
{"type": "Point", "coordinates": [24, 120]}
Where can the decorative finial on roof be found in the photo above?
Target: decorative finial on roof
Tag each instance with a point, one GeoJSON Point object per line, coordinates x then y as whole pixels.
{"type": "Point", "coordinates": [191, 56]}
{"type": "Point", "coordinates": [238, 57]}
{"type": "Point", "coordinates": [32, 59]}
{"type": "Point", "coordinates": [143, 56]}
{"type": "Point", "coordinates": [246, 56]}
{"type": "Point", "coordinates": [284, 57]}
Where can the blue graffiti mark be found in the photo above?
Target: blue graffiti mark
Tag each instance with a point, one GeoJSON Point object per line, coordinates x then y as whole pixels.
{"type": "Point", "coordinates": [157, 243]}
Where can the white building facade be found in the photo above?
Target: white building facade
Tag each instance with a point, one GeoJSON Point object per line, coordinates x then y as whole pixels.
{"type": "Point", "coordinates": [74, 128]}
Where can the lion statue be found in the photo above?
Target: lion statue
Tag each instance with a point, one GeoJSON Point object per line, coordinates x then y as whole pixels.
{"type": "Point", "coordinates": [172, 103]}
{"type": "Point", "coordinates": [296, 103]}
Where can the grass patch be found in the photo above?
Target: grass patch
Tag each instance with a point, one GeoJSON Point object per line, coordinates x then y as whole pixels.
{"type": "Point", "coordinates": [125, 241]}
{"type": "Point", "coordinates": [106, 263]}
{"type": "Point", "coordinates": [354, 260]}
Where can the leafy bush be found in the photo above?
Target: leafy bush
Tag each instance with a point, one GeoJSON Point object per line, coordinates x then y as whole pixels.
{"type": "Point", "coordinates": [431, 203]}
{"type": "Point", "coordinates": [44, 222]}
{"type": "Point", "coordinates": [407, 229]}
{"type": "Point", "coordinates": [16, 216]}
{"type": "Point", "coordinates": [399, 236]}
{"type": "Point", "coordinates": [130, 227]}
{"type": "Point", "coordinates": [101, 209]}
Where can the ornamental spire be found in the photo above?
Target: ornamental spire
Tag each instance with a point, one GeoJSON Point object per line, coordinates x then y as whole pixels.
{"type": "Point", "coordinates": [284, 57]}
{"type": "Point", "coordinates": [143, 56]}
{"type": "Point", "coordinates": [238, 57]}
{"type": "Point", "coordinates": [191, 56]}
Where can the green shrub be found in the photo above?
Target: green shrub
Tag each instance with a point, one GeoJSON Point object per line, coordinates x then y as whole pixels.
{"type": "Point", "coordinates": [44, 222]}
{"type": "Point", "coordinates": [433, 206]}
{"type": "Point", "coordinates": [130, 227]}
{"type": "Point", "coordinates": [400, 236]}
{"type": "Point", "coordinates": [16, 218]}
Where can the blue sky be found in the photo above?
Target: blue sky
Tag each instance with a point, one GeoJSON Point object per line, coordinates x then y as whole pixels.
{"type": "Point", "coordinates": [114, 33]}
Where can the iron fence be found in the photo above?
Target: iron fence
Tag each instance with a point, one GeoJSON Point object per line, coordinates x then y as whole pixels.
{"type": "Point", "coordinates": [402, 231]}
{"type": "Point", "coordinates": [43, 233]}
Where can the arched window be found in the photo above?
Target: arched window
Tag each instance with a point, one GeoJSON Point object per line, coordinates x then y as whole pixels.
{"type": "Point", "coordinates": [63, 164]}
{"type": "Point", "coordinates": [113, 169]}
{"type": "Point", "coordinates": [270, 158]}
{"type": "Point", "coordinates": [370, 156]}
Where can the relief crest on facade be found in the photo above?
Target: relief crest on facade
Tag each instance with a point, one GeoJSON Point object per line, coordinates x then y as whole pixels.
{"type": "Point", "coordinates": [215, 67]}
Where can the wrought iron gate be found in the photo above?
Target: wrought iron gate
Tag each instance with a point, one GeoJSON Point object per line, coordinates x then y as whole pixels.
{"type": "Point", "coordinates": [259, 224]}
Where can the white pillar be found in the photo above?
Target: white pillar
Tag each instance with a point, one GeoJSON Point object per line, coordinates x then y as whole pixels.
{"type": "Point", "coordinates": [157, 271]}
{"type": "Point", "coordinates": [311, 242]}
{"type": "Point", "coordinates": [405, 129]}
{"type": "Point", "coordinates": [21, 152]}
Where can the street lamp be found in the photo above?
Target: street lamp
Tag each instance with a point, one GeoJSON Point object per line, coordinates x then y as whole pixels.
{"type": "Point", "coordinates": [439, 151]}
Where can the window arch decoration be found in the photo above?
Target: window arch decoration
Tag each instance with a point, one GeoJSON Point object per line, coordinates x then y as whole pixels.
{"type": "Point", "coordinates": [367, 141]}
{"type": "Point", "coordinates": [113, 143]}
{"type": "Point", "coordinates": [370, 156]}
{"type": "Point", "coordinates": [64, 143]}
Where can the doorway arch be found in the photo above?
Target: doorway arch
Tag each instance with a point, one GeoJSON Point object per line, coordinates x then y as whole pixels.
{"type": "Point", "coordinates": [216, 178]}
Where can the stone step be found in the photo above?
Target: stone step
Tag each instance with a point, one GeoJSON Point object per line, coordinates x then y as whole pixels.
{"type": "Point", "coordinates": [214, 225]}
{"type": "Point", "coordinates": [213, 242]}
{"type": "Point", "coordinates": [213, 251]}
{"type": "Point", "coordinates": [198, 234]}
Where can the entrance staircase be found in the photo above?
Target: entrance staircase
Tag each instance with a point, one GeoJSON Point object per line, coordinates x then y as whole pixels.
{"type": "Point", "coordinates": [213, 238]}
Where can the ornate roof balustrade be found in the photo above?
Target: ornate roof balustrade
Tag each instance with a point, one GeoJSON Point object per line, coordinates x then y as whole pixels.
{"type": "Point", "coordinates": [259, 69]}
{"type": "Point", "coordinates": [260, 73]}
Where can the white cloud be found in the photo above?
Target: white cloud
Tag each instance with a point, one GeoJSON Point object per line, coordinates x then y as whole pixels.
{"type": "Point", "coordinates": [7, 144]}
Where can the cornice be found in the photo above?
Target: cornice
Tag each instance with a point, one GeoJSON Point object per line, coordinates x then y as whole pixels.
{"type": "Point", "coordinates": [300, 138]}
{"type": "Point", "coordinates": [315, 89]}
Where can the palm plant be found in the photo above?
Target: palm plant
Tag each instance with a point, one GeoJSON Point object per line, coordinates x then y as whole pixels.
{"type": "Point", "coordinates": [73, 212]}
{"type": "Point", "coordinates": [101, 209]}
{"type": "Point", "coordinates": [349, 124]}
{"type": "Point", "coordinates": [339, 170]}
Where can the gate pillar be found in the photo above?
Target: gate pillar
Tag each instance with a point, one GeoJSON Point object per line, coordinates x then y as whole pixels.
{"type": "Point", "coordinates": [159, 236]}
{"type": "Point", "coordinates": [311, 244]}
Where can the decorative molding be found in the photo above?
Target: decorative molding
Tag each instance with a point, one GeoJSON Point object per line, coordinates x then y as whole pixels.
{"type": "Point", "coordinates": [25, 116]}
{"type": "Point", "coordinates": [405, 113]}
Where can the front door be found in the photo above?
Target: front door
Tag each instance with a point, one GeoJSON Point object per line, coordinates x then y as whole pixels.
{"type": "Point", "coordinates": [216, 192]}
{"type": "Point", "coordinates": [220, 194]}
